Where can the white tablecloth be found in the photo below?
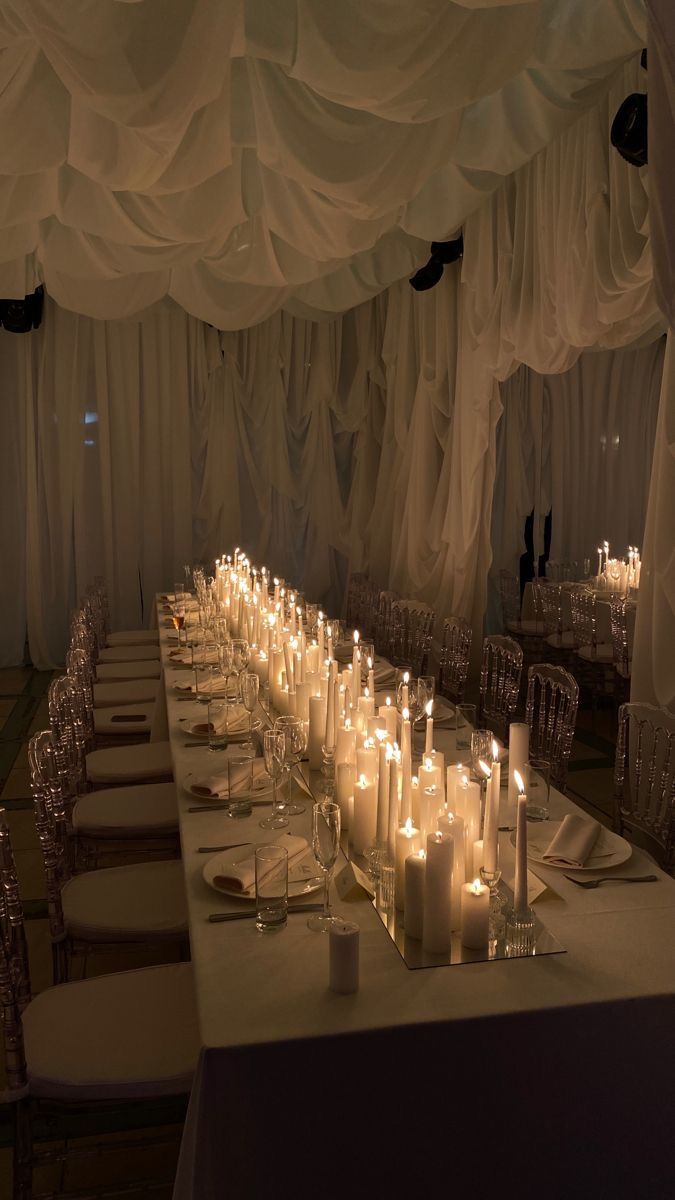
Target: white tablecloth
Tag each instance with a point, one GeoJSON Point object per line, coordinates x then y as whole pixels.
{"type": "Point", "coordinates": [522, 1070]}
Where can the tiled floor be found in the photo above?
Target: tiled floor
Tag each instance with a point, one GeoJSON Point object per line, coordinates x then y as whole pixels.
{"type": "Point", "coordinates": [23, 711]}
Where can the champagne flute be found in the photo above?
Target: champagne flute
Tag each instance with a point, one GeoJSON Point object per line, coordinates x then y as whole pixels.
{"type": "Point", "coordinates": [274, 750]}
{"type": "Point", "coordinates": [326, 845]}
{"type": "Point", "coordinates": [178, 618]}
{"type": "Point", "coordinates": [295, 733]}
{"type": "Point", "coordinates": [225, 660]}
{"type": "Point", "coordinates": [240, 656]}
{"type": "Point", "coordinates": [250, 686]}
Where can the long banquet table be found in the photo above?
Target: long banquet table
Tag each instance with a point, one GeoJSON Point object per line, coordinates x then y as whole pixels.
{"type": "Point", "coordinates": [552, 1073]}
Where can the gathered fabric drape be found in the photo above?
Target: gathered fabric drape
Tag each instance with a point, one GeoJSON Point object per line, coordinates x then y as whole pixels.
{"type": "Point", "coordinates": [247, 156]}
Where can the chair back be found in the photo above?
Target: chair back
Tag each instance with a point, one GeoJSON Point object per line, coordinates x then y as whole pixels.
{"type": "Point", "coordinates": [551, 713]}
{"type": "Point", "coordinates": [455, 652]}
{"type": "Point", "coordinates": [50, 803]}
{"type": "Point", "coordinates": [411, 629]}
{"type": "Point", "coordinates": [617, 608]}
{"type": "Point", "coordinates": [368, 609]}
{"type": "Point", "coordinates": [15, 992]}
{"type": "Point", "coordinates": [644, 776]}
{"type": "Point", "coordinates": [584, 622]}
{"type": "Point", "coordinates": [509, 595]}
{"type": "Point", "coordinates": [355, 589]}
{"type": "Point", "coordinates": [383, 624]}
{"type": "Point", "coordinates": [501, 669]}
{"type": "Point", "coordinates": [551, 608]}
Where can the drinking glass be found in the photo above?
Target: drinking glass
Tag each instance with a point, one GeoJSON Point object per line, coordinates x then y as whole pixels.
{"type": "Point", "coordinates": [295, 734]}
{"type": "Point", "coordinates": [240, 656]}
{"type": "Point", "coordinates": [250, 686]}
{"type": "Point", "coordinates": [325, 844]}
{"type": "Point", "coordinates": [225, 662]}
{"type": "Point", "coordinates": [538, 785]}
{"type": "Point", "coordinates": [203, 682]}
{"type": "Point", "coordinates": [426, 691]}
{"type": "Point", "coordinates": [274, 750]}
{"type": "Point", "coordinates": [413, 698]}
{"type": "Point", "coordinates": [178, 618]}
{"type": "Point", "coordinates": [466, 724]}
{"type": "Point", "coordinates": [179, 592]}
{"type": "Point", "coordinates": [240, 786]}
{"type": "Point", "coordinates": [481, 748]}
{"type": "Point", "coordinates": [271, 888]}
{"type": "Point", "coordinates": [217, 719]}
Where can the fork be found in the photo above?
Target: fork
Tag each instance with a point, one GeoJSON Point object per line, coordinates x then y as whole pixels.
{"type": "Point", "coordinates": [594, 883]}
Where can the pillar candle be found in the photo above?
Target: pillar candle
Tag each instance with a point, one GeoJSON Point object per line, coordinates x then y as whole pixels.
{"type": "Point", "coordinates": [437, 931]}
{"type": "Point", "coordinates": [382, 794]}
{"type": "Point", "coordinates": [343, 957]}
{"type": "Point", "coordinates": [407, 843]}
{"type": "Point", "coordinates": [317, 729]}
{"type": "Point", "coordinates": [520, 886]}
{"type": "Point", "coordinates": [312, 657]}
{"type": "Point", "coordinates": [345, 781]}
{"type": "Point", "coordinates": [406, 767]}
{"type": "Point", "coordinates": [429, 774]}
{"type": "Point", "coordinates": [430, 801]}
{"type": "Point", "coordinates": [345, 744]}
{"type": "Point", "coordinates": [302, 701]}
{"type": "Point", "coordinates": [453, 775]}
{"type": "Point", "coordinates": [387, 714]}
{"type": "Point", "coordinates": [366, 762]}
{"type": "Point", "coordinates": [365, 815]}
{"type": "Point", "coordinates": [321, 650]}
{"type": "Point", "coordinates": [329, 631]}
{"type": "Point", "coordinates": [519, 753]}
{"type": "Point", "coordinates": [475, 917]}
{"type": "Point", "coordinates": [393, 820]}
{"type": "Point", "coordinates": [450, 823]}
{"type": "Point", "coordinates": [490, 835]}
{"type": "Point", "coordinates": [415, 868]}
{"type": "Point", "coordinates": [366, 705]}
{"type": "Point", "coordinates": [469, 794]}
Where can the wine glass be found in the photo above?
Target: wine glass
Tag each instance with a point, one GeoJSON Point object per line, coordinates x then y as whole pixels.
{"type": "Point", "coordinates": [326, 846]}
{"type": "Point", "coordinates": [293, 729]}
{"type": "Point", "coordinates": [250, 686]}
{"type": "Point", "coordinates": [225, 661]}
{"type": "Point", "coordinates": [178, 618]}
{"type": "Point", "coordinates": [240, 655]}
{"type": "Point", "coordinates": [426, 690]}
{"type": "Point", "coordinates": [481, 748]}
{"type": "Point", "coordinates": [274, 750]}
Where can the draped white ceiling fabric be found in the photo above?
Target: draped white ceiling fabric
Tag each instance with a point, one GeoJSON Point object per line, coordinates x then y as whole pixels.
{"type": "Point", "coordinates": [251, 155]}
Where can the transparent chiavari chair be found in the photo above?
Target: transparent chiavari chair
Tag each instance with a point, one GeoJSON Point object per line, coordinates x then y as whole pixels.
{"type": "Point", "coordinates": [383, 624]}
{"type": "Point", "coordinates": [355, 589]}
{"type": "Point", "coordinates": [500, 674]}
{"type": "Point", "coordinates": [556, 636]}
{"type": "Point", "coordinates": [644, 779]}
{"type": "Point", "coordinates": [90, 1042]}
{"type": "Point", "coordinates": [454, 664]}
{"type": "Point", "coordinates": [369, 609]}
{"type": "Point", "coordinates": [551, 713]}
{"type": "Point", "coordinates": [411, 636]}
{"type": "Point", "coordinates": [509, 595]}
{"type": "Point", "coordinates": [620, 647]}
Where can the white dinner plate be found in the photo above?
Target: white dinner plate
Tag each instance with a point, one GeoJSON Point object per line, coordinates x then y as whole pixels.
{"type": "Point", "coordinates": [239, 735]}
{"type": "Point", "coordinates": [264, 788]}
{"type": "Point", "coordinates": [303, 877]}
{"type": "Point", "coordinates": [540, 836]}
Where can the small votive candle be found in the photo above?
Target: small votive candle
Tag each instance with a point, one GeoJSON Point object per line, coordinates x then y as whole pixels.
{"type": "Point", "coordinates": [343, 957]}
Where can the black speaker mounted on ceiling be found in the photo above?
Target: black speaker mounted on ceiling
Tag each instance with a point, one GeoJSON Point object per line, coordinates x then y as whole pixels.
{"type": "Point", "coordinates": [628, 134]}
{"type": "Point", "coordinates": [20, 316]}
{"type": "Point", "coordinates": [442, 253]}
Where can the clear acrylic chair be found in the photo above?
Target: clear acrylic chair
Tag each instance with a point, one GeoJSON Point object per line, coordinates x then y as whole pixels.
{"type": "Point", "coordinates": [644, 779]}
{"type": "Point", "coordinates": [383, 623]}
{"type": "Point", "coordinates": [411, 630]}
{"type": "Point", "coordinates": [368, 609]}
{"type": "Point", "coordinates": [551, 713]}
{"type": "Point", "coordinates": [500, 674]}
{"type": "Point", "coordinates": [592, 659]}
{"type": "Point", "coordinates": [355, 589]}
{"type": "Point", "coordinates": [124, 1038]}
{"type": "Point", "coordinates": [560, 640]}
{"type": "Point", "coordinates": [620, 647]}
{"type": "Point", "coordinates": [509, 596]}
{"type": "Point", "coordinates": [454, 663]}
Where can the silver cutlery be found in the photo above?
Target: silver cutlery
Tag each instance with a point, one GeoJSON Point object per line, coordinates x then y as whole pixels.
{"type": "Point", "coordinates": [221, 807]}
{"type": "Point", "coordinates": [219, 917]}
{"type": "Point", "coordinates": [217, 849]}
{"type": "Point", "coordinates": [594, 883]}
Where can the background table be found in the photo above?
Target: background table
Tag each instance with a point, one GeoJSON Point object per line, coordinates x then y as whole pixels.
{"type": "Point", "coordinates": [602, 610]}
{"type": "Point", "coordinates": [485, 1075]}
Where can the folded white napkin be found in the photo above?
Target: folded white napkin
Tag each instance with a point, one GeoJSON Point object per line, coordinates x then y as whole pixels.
{"type": "Point", "coordinates": [185, 657]}
{"type": "Point", "coordinates": [234, 719]}
{"type": "Point", "coordinates": [216, 787]}
{"type": "Point", "coordinates": [240, 877]}
{"type": "Point", "coordinates": [384, 674]}
{"type": "Point", "coordinates": [574, 842]}
{"type": "Point", "coordinates": [216, 686]}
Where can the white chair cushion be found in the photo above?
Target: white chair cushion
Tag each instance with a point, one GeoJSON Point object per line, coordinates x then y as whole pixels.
{"type": "Point", "coordinates": [133, 691]}
{"type": "Point", "coordinates": [133, 637]}
{"type": "Point", "coordinates": [115, 672]}
{"type": "Point", "coordinates": [130, 903]}
{"type": "Point", "coordinates": [129, 654]}
{"type": "Point", "coordinates": [603, 653]}
{"type": "Point", "coordinates": [127, 811]}
{"type": "Point", "coordinates": [129, 764]}
{"type": "Point", "coordinates": [118, 720]}
{"type": "Point", "coordinates": [122, 1036]}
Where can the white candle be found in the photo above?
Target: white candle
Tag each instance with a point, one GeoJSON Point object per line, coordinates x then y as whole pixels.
{"type": "Point", "coordinates": [387, 713]}
{"type": "Point", "coordinates": [477, 856]}
{"type": "Point", "coordinates": [450, 823]}
{"type": "Point", "coordinates": [317, 729]}
{"type": "Point", "coordinates": [365, 815]}
{"type": "Point", "coordinates": [356, 666]}
{"type": "Point", "coordinates": [519, 752]}
{"type": "Point", "coordinates": [393, 809]}
{"type": "Point", "coordinates": [345, 744]}
{"type": "Point", "coordinates": [343, 957]}
{"type": "Point", "coordinates": [454, 773]}
{"type": "Point", "coordinates": [430, 801]}
{"type": "Point", "coordinates": [406, 766]}
{"type": "Point", "coordinates": [371, 678]}
{"type": "Point", "coordinates": [366, 761]}
{"type": "Point", "coordinates": [329, 732]}
{"type": "Point", "coordinates": [520, 885]}
{"type": "Point", "coordinates": [321, 650]}
{"type": "Point", "coordinates": [407, 843]}
{"type": "Point", "coordinates": [415, 869]}
{"type": "Point", "coordinates": [436, 937]}
{"type": "Point", "coordinates": [475, 918]}
{"type": "Point", "coordinates": [329, 631]}
{"type": "Point", "coordinates": [383, 794]}
{"type": "Point", "coordinates": [430, 775]}
{"type": "Point", "coordinates": [345, 781]}
{"type": "Point", "coordinates": [302, 701]}
{"type": "Point", "coordinates": [467, 796]}
{"type": "Point", "coordinates": [405, 695]}
{"type": "Point", "coordinates": [429, 732]}
{"type": "Point", "coordinates": [490, 832]}
{"type": "Point", "coordinates": [366, 704]}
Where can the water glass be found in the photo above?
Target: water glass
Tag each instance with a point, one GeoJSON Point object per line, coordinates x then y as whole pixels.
{"type": "Point", "coordinates": [481, 749]}
{"type": "Point", "coordinates": [295, 734]}
{"type": "Point", "coordinates": [326, 846]}
{"type": "Point", "coordinates": [217, 718]}
{"type": "Point", "coordinates": [271, 888]}
{"type": "Point", "coordinates": [240, 786]}
{"type": "Point", "coordinates": [274, 753]}
{"type": "Point", "coordinates": [240, 655]}
{"type": "Point", "coordinates": [538, 787]}
{"type": "Point", "coordinates": [466, 723]}
{"type": "Point", "coordinates": [426, 690]}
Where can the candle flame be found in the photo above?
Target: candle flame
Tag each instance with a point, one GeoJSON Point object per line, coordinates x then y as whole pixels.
{"type": "Point", "coordinates": [388, 701]}
{"type": "Point", "coordinates": [329, 630]}
{"type": "Point", "coordinates": [519, 782]}
{"type": "Point", "coordinates": [429, 707]}
{"type": "Point", "coordinates": [389, 750]}
{"type": "Point", "coordinates": [366, 693]}
{"type": "Point", "coordinates": [428, 762]}
{"type": "Point", "coordinates": [356, 637]}
{"type": "Point", "coordinates": [363, 781]}
{"type": "Point", "coordinates": [408, 827]}
{"type": "Point", "coordinates": [464, 781]}
{"type": "Point", "coordinates": [476, 886]}
{"type": "Point", "coordinates": [406, 714]}
{"type": "Point", "coordinates": [495, 751]}
{"type": "Point", "coordinates": [370, 663]}
{"type": "Point", "coordinates": [348, 723]}
{"type": "Point", "coordinates": [421, 854]}
{"type": "Point", "coordinates": [406, 676]}
{"type": "Point", "coordinates": [484, 768]}
{"type": "Point", "coordinates": [380, 734]}
{"type": "Point", "coordinates": [415, 781]}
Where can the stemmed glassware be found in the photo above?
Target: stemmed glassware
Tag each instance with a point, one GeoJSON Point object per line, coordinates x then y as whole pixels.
{"type": "Point", "coordinates": [178, 618]}
{"type": "Point", "coordinates": [326, 846]}
{"type": "Point", "coordinates": [413, 704]}
{"type": "Point", "coordinates": [240, 655]}
{"type": "Point", "coordinates": [225, 661]}
{"type": "Point", "coordinates": [481, 748]}
{"type": "Point", "coordinates": [274, 751]}
{"type": "Point", "coordinates": [293, 729]}
{"type": "Point", "coordinates": [250, 685]}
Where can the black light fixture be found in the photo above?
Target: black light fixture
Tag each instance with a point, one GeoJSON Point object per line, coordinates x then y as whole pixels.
{"type": "Point", "coordinates": [442, 253]}
{"type": "Point", "coordinates": [628, 134]}
{"type": "Point", "coordinates": [20, 316]}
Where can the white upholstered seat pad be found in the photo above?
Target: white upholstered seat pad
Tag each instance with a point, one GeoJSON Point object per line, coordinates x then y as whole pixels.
{"type": "Point", "coordinates": [127, 810]}
{"type": "Point", "coordinates": [107, 720]}
{"type": "Point", "coordinates": [126, 1035]}
{"type": "Point", "coordinates": [129, 653]}
{"type": "Point", "coordinates": [149, 760]}
{"type": "Point", "coordinates": [133, 637]}
{"type": "Point", "coordinates": [131, 691]}
{"type": "Point", "coordinates": [119, 903]}
{"type": "Point", "coordinates": [603, 653]}
{"type": "Point", "coordinates": [108, 672]}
